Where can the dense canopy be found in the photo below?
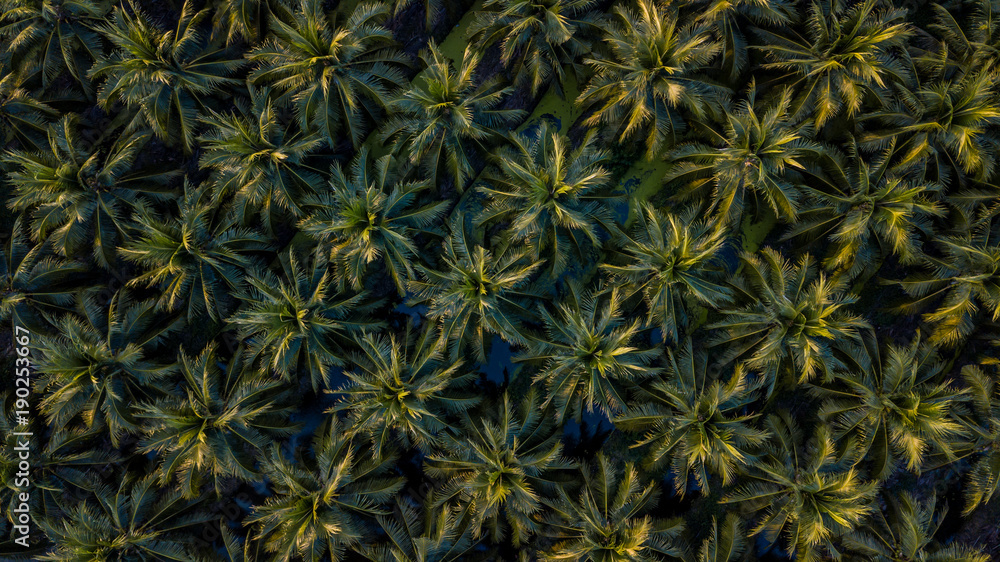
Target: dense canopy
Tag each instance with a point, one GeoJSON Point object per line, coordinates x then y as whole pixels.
{"type": "Point", "coordinates": [500, 280]}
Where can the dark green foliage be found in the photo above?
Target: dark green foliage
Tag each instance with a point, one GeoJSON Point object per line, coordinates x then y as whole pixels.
{"type": "Point", "coordinates": [49, 38]}
{"type": "Point", "coordinates": [588, 355]}
{"type": "Point", "coordinates": [446, 119]}
{"type": "Point", "coordinates": [536, 37]}
{"type": "Point", "coordinates": [643, 88]}
{"type": "Point", "coordinates": [497, 467]}
{"type": "Point", "coordinates": [694, 421]}
{"type": "Point", "coordinates": [478, 293]}
{"type": "Point", "coordinates": [550, 194]}
{"type": "Point", "coordinates": [672, 261]}
{"type": "Point", "coordinates": [216, 423]}
{"type": "Point", "coordinates": [102, 362]}
{"type": "Point", "coordinates": [606, 522]}
{"type": "Point", "coordinates": [335, 76]}
{"type": "Point", "coordinates": [196, 258]}
{"type": "Point", "coordinates": [80, 197]}
{"type": "Point", "coordinates": [370, 216]}
{"type": "Point", "coordinates": [500, 281]}
{"type": "Point", "coordinates": [320, 505]}
{"type": "Point", "coordinates": [162, 76]}
{"type": "Point", "coordinates": [292, 320]}
{"type": "Point", "coordinates": [402, 390]}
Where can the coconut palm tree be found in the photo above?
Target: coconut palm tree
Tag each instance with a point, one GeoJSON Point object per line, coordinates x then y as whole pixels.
{"type": "Point", "coordinates": [196, 258]}
{"type": "Point", "coordinates": [401, 390]}
{"type": "Point", "coordinates": [477, 292]}
{"type": "Point", "coordinates": [546, 192]}
{"type": "Point", "coordinates": [164, 76]}
{"type": "Point", "coordinates": [872, 213]}
{"type": "Point", "coordinates": [761, 152]}
{"type": "Point", "coordinates": [696, 422]}
{"type": "Point", "coordinates": [95, 369]}
{"type": "Point", "coordinates": [259, 160]}
{"type": "Point", "coordinates": [945, 127]}
{"type": "Point", "coordinates": [848, 53]}
{"type": "Point", "coordinates": [337, 77]}
{"type": "Point", "coordinates": [589, 355]}
{"type": "Point", "coordinates": [322, 505]}
{"type": "Point", "coordinates": [292, 320]}
{"type": "Point", "coordinates": [984, 478]}
{"type": "Point", "coordinates": [809, 496]}
{"type": "Point", "coordinates": [80, 197]}
{"type": "Point", "coordinates": [897, 408]}
{"type": "Point", "coordinates": [370, 216]}
{"type": "Point", "coordinates": [794, 322]}
{"type": "Point", "coordinates": [445, 120]}
{"type": "Point", "coordinates": [672, 260]}
{"type": "Point", "coordinates": [137, 521]}
{"type": "Point", "coordinates": [964, 280]}
{"type": "Point", "coordinates": [906, 532]}
{"type": "Point", "coordinates": [650, 77]}
{"type": "Point", "coordinates": [216, 423]}
{"type": "Point", "coordinates": [537, 38]}
{"type": "Point", "coordinates": [498, 466]}
{"type": "Point", "coordinates": [34, 285]}
{"type": "Point", "coordinates": [52, 37]}
{"type": "Point", "coordinates": [606, 521]}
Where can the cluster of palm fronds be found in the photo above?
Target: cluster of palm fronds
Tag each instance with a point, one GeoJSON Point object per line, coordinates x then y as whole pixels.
{"type": "Point", "coordinates": [272, 249]}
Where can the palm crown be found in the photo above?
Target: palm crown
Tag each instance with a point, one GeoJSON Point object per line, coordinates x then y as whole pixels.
{"type": "Point", "coordinates": [695, 421]}
{"type": "Point", "coordinates": [850, 52]}
{"type": "Point", "coordinates": [477, 292]}
{"type": "Point", "coordinates": [589, 355]}
{"type": "Point", "coordinates": [33, 283]}
{"type": "Point", "coordinates": [162, 75]}
{"type": "Point", "coordinates": [964, 277]}
{"type": "Point", "coordinates": [196, 258]}
{"type": "Point", "coordinates": [370, 216]}
{"type": "Point", "coordinates": [101, 365]}
{"type": "Point", "coordinates": [445, 118]}
{"type": "Point", "coordinates": [808, 496]}
{"type": "Point", "coordinates": [672, 261]}
{"type": "Point", "coordinates": [796, 322]}
{"type": "Point", "coordinates": [550, 194]}
{"type": "Point", "coordinates": [605, 523]}
{"type": "Point", "coordinates": [984, 478]}
{"type": "Point", "coordinates": [905, 531]}
{"type": "Point", "coordinates": [292, 320]}
{"type": "Point", "coordinates": [499, 468]}
{"type": "Point", "coordinates": [537, 37]}
{"type": "Point", "coordinates": [259, 160]}
{"type": "Point", "coordinates": [136, 521]}
{"type": "Point", "coordinates": [322, 505]}
{"type": "Point", "coordinates": [897, 408]}
{"type": "Point", "coordinates": [217, 422]}
{"type": "Point", "coordinates": [50, 37]}
{"type": "Point", "coordinates": [650, 77]}
{"type": "Point", "coordinates": [871, 213]}
{"type": "Point", "coordinates": [336, 77]}
{"type": "Point", "coordinates": [760, 154]}
{"type": "Point", "coordinates": [402, 390]}
{"type": "Point", "coordinates": [81, 194]}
